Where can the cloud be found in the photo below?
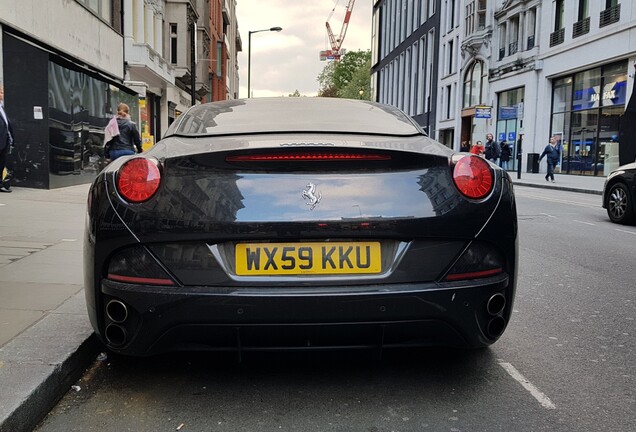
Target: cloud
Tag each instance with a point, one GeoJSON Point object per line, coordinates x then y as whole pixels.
{"type": "Point", "coordinates": [282, 62]}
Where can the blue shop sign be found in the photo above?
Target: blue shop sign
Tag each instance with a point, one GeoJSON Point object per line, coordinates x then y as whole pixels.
{"type": "Point", "coordinates": [507, 112]}
{"type": "Point", "coordinates": [501, 136]}
{"type": "Point", "coordinates": [482, 112]}
{"type": "Point", "coordinates": [512, 136]}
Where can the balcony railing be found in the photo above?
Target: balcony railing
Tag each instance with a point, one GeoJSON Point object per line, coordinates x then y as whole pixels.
{"type": "Point", "coordinates": [610, 16]}
{"type": "Point", "coordinates": [502, 53]}
{"type": "Point", "coordinates": [557, 37]}
{"type": "Point", "coordinates": [581, 27]}
{"type": "Point", "coordinates": [530, 42]}
{"type": "Point", "coordinates": [512, 48]}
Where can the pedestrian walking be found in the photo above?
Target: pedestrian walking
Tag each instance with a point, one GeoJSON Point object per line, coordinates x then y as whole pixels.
{"type": "Point", "coordinates": [125, 137]}
{"type": "Point", "coordinates": [492, 151]}
{"type": "Point", "coordinates": [6, 145]}
{"type": "Point", "coordinates": [552, 157]}
{"type": "Point", "coordinates": [478, 149]}
{"type": "Point", "coordinates": [506, 152]}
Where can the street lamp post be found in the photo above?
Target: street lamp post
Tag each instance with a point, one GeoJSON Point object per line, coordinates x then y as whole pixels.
{"type": "Point", "coordinates": [249, 53]}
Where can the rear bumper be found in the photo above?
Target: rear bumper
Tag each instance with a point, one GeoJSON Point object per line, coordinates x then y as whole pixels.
{"type": "Point", "coordinates": [159, 319]}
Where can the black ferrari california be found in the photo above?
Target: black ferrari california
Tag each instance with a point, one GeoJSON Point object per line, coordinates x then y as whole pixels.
{"type": "Point", "coordinates": [299, 223]}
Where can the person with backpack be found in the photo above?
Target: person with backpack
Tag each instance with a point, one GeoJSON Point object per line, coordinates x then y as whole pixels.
{"type": "Point", "coordinates": [506, 152]}
{"type": "Point", "coordinates": [125, 138]}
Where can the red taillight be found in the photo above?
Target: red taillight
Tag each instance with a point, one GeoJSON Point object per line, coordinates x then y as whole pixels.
{"type": "Point", "coordinates": [473, 177]}
{"type": "Point", "coordinates": [292, 157]}
{"type": "Point", "coordinates": [138, 179]}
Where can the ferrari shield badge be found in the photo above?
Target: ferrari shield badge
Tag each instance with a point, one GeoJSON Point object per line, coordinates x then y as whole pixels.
{"type": "Point", "coordinates": [310, 195]}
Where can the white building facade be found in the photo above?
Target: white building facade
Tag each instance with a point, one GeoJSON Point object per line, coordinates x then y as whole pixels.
{"type": "Point", "coordinates": [523, 70]}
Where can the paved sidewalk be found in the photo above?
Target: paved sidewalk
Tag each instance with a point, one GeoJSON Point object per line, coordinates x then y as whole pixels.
{"type": "Point", "coordinates": [45, 336]}
{"type": "Point", "coordinates": [46, 341]}
{"type": "Point", "coordinates": [572, 183]}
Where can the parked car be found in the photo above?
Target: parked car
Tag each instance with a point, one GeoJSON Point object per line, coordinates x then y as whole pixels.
{"type": "Point", "coordinates": [299, 223]}
{"type": "Point", "coordinates": [619, 196]}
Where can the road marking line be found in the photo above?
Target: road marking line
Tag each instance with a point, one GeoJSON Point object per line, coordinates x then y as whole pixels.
{"type": "Point", "coordinates": [628, 232]}
{"type": "Point", "coordinates": [586, 223]}
{"type": "Point", "coordinates": [548, 215]}
{"type": "Point", "coordinates": [535, 392]}
{"type": "Point", "coordinates": [557, 200]}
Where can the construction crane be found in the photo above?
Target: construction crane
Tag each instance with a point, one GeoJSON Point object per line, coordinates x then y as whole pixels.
{"type": "Point", "coordinates": [336, 43]}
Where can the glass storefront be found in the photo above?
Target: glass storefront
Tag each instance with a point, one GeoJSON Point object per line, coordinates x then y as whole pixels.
{"type": "Point", "coordinates": [80, 106]}
{"type": "Point", "coordinates": [509, 118]}
{"type": "Point", "coordinates": [586, 107]}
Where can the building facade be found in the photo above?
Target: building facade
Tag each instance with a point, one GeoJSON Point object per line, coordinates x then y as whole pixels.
{"type": "Point", "coordinates": [404, 57]}
{"type": "Point", "coordinates": [523, 70]}
{"type": "Point", "coordinates": [62, 79]}
{"type": "Point", "coordinates": [65, 76]}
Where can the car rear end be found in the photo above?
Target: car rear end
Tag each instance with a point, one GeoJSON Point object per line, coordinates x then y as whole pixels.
{"type": "Point", "coordinates": [299, 240]}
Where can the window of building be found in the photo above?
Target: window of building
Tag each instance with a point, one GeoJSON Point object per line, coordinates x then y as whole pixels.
{"type": "Point", "coordinates": [421, 76]}
{"type": "Point", "coordinates": [415, 78]}
{"type": "Point", "coordinates": [449, 58]}
{"type": "Point", "coordinates": [531, 22]}
{"type": "Point", "coordinates": [502, 41]}
{"type": "Point", "coordinates": [101, 8]}
{"type": "Point", "coordinates": [558, 35]}
{"type": "Point", "coordinates": [582, 26]}
{"type": "Point", "coordinates": [481, 14]}
{"type": "Point", "coordinates": [173, 43]}
{"type": "Point", "coordinates": [470, 18]}
{"type": "Point", "coordinates": [559, 13]}
{"type": "Point", "coordinates": [514, 35]}
{"type": "Point", "coordinates": [451, 14]}
{"type": "Point", "coordinates": [429, 71]}
{"type": "Point", "coordinates": [475, 85]}
{"type": "Point", "coordinates": [449, 96]}
{"type": "Point", "coordinates": [584, 9]}
{"type": "Point", "coordinates": [219, 59]}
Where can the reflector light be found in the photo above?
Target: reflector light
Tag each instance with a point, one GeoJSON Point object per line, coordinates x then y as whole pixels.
{"type": "Point", "coordinates": [309, 157]}
{"type": "Point", "coordinates": [139, 280]}
{"type": "Point", "coordinates": [474, 275]}
{"type": "Point", "coordinates": [138, 179]}
{"type": "Point", "coordinates": [473, 177]}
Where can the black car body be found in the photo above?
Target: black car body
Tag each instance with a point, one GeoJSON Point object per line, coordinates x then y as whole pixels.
{"type": "Point", "coordinates": [299, 223]}
{"type": "Point", "coordinates": [619, 193]}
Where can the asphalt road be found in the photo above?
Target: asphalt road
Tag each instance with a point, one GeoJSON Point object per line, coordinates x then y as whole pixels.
{"type": "Point", "coordinates": [566, 362]}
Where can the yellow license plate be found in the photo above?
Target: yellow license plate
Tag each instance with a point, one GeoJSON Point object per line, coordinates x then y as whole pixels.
{"type": "Point", "coordinates": [311, 258]}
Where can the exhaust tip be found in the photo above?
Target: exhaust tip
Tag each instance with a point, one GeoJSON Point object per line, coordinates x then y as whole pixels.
{"type": "Point", "coordinates": [115, 335]}
{"type": "Point", "coordinates": [117, 311]}
{"type": "Point", "coordinates": [495, 327]}
{"type": "Point", "coordinates": [496, 304]}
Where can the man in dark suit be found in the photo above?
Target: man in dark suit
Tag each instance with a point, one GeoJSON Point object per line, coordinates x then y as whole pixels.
{"type": "Point", "coordinates": [6, 142]}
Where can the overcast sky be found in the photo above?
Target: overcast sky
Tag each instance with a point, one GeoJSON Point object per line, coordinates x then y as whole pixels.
{"type": "Point", "coordinates": [285, 61]}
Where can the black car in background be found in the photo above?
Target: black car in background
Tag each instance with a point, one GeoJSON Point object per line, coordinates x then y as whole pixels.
{"type": "Point", "coordinates": [619, 193]}
{"type": "Point", "coordinates": [299, 223]}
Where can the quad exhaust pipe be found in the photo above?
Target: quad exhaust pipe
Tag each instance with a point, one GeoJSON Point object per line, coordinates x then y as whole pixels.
{"type": "Point", "coordinates": [117, 311]}
{"type": "Point", "coordinates": [116, 335]}
{"type": "Point", "coordinates": [497, 324]}
{"type": "Point", "coordinates": [496, 304]}
{"type": "Point", "coordinates": [115, 332]}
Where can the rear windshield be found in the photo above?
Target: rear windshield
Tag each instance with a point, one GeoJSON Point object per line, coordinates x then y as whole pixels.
{"type": "Point", "coordinates": [249, 116]}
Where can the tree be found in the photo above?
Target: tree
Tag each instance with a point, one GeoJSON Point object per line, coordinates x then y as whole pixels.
{"type": "Point", "coordinates": [347, 77]}
{"type": "Point", "coordinates": [295, 94]}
